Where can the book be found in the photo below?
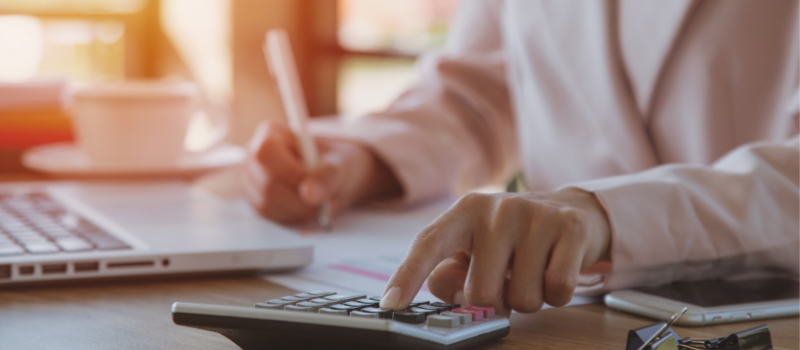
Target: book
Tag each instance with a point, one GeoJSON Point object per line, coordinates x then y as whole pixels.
{"type": "Point", "coordinates": [32, 113]}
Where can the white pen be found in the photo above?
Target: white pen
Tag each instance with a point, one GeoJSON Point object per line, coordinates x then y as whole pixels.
{"type": "Point", "coordinates": [281, 63]}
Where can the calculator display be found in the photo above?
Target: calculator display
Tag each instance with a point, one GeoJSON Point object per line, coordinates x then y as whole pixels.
{"type": "Point", "coordinates": [715, 293]}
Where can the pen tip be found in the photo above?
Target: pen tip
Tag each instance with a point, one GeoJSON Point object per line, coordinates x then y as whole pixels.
{"type": "Point", "coordinates": [325, 222]}
{"type": "Point", "coordinates": [325, 216]}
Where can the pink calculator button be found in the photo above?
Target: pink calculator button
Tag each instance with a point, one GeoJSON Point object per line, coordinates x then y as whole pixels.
{"type": "Point", "coordinates": [477, 315]}
{"type": "Point", "coordinates": [487, 311]}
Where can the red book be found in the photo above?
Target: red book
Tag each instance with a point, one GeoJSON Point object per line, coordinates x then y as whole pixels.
{"type": "Point", "coordinates": [33, 113]}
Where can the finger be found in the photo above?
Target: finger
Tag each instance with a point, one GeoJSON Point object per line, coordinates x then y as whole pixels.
{"type": "Point", "coordinates": [276, 152]}
{"type": "Point", "coordinates": [259, 134]}
{"type": "Point", "coordinates": [504, 309]}
{"type": "Point", "coordinates": [257, 175]}
{"type": "Point", "coordinates": [327, 181]}
{"type": "Point", "coordinates": [253, 179]}
{"type": "Point", "coordinates": [282, 204]}
{"type": "Point", "coordinates": [530, 261]}
{"type": "Point", "coordinates": [446, 281]}
{"type": "Point", "coordinates": [320, 185]}
{"type": "Point", "coordinates": [492, 249]}
{"type": "Point", "coordinates": [449, 234]}
{"type": "Point", "coordinates": [561, 277]}
{"type": "Point", "coordinates": [265, 192]}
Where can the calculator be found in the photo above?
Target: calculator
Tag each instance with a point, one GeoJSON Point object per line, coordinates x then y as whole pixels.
{"type": "Point", "coordinates": [325, 320]}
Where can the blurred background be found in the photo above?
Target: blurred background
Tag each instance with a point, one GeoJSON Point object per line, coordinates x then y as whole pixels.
{"type": "Point", "coordinates": [354, 56]}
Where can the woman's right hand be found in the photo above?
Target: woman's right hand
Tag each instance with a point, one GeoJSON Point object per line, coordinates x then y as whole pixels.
{"type": "Point", "coordinates": [278, 185]}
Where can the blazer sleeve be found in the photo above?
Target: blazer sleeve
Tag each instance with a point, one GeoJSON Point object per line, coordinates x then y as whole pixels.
{"type": "Point", "coordinates": [687, 222]}
{"type": "Point", "coordinates": [454, 130]}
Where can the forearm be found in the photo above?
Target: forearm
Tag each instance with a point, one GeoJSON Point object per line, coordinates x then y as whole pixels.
{"type": "Point", "coordinates": [455, 129]}
{"type": "Point", "coordinates": [692, 222]}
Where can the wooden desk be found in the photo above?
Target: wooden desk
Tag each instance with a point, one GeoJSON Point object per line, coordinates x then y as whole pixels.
{"type": "Point", "coordinates": [136, 315]}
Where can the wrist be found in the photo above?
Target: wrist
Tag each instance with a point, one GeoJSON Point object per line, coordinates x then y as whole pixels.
{"type": "Point", "coordinates": [597, 218]}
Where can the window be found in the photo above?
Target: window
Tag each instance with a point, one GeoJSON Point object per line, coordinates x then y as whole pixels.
{"type": "Point", "coordinates": [380, 40]}
{"type": "Point", "coordinates": [72, 7]}
{"type": "Point", "coordinates": [87, 40]}
{"type": "Point", "coordinates": [82, 49]}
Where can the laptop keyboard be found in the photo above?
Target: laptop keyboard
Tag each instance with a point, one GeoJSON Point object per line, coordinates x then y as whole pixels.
{"type": "Point", "coordinates": [34, 223]}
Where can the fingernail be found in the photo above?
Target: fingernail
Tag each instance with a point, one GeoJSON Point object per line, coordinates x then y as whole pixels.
{"type": "Point", "coordinates": [313, 192]}
{"type": "Point", "coordinates": [391, 299]}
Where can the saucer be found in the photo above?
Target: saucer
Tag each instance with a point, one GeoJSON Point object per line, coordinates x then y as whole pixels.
{"type": "Point", "coordinates": [65, 159]}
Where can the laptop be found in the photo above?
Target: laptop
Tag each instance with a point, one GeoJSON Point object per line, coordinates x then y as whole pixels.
{"type": "Point", "coordinates": [53, 231]}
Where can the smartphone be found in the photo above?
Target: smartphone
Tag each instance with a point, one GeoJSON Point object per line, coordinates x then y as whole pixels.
{"type": "Point", "coordinates": [712, 302]}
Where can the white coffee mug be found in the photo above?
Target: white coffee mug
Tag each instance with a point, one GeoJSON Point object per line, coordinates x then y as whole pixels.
{"type": "Point", "coordinates": [138, 124]}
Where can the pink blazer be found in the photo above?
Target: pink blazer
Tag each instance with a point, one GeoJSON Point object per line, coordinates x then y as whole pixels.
{"type": "Point", "coordinates": [681, 116]}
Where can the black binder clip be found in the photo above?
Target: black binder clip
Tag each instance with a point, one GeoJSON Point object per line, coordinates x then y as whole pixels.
{"type": "Point", "coordinates": [661, 336]}
{"type": "Point", "coordinates": [752, 339]}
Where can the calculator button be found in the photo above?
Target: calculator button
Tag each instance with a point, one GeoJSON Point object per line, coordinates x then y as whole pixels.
{"type": "Point", "coordinates": [443, 321]}
{"type": "Point", "coordinates": [334, 312]}
{"type": "Point", "coordinates": [344, 307]}
{"type": "Point", "coordinates": [423, 311]}
{"type": "Point", "coordinates": [344, 297]}
{"type": "Point", "coordinates": [383, 313]}
{"type": "Point", "coordinates": [418, 302]}
{"type": "Point", "coordinates": [360, 314]}
{"type": "Point", "coordinates": [408, 317]}
{"type": "Point", "coordinates": [376, 298]}
{"type": "Point", "coordinates": [312, 295]}
{"type": "Point", "coordinates": [41, 248]}
{"type": "Point", "coordinates": [434, 308]}
{"type": "Point", "coordinates": [445, 305]}
{"type": "Point", "coordinates": [368, 301]}
{"type": "Point", "coordinates": [487, 311]}
{"type": "Point", "coordinates": [314, 306]}
{"type": "Point", "coordinates": [465, 318]}
{"type": "Point", "coordinates": [297, 308]}
{"type": "Point", "coordinates": [269, 306]}
{"type": "Point", "coordinates": [281, 302]}
{"type": "Point", "coordinates": [295, 299]}
{"type": "Point", "coordinates": [323, 301]}
{"type": "Point", "coordinates": [476, 314]}
{"type": "Point", "coordinates": [357, 304]}
{"type": "Point", "coordinates": [10, 250]}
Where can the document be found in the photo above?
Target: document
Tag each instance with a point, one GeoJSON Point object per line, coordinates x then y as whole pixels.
{"type": "Point", "coordinates": [360, 253]}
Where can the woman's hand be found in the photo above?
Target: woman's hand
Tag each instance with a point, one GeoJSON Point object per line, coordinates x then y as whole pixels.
{"type": "Point", "coordinates": [508, 251]}
{"type": "Point", "coordinates": [281, 189]}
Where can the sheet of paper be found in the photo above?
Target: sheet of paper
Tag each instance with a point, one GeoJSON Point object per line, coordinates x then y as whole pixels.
{"type": "Point", "coordinates": [364, 249]}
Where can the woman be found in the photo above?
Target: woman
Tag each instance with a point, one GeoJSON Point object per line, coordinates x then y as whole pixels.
{"type": "Point", "coordinates": [659, 139]}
